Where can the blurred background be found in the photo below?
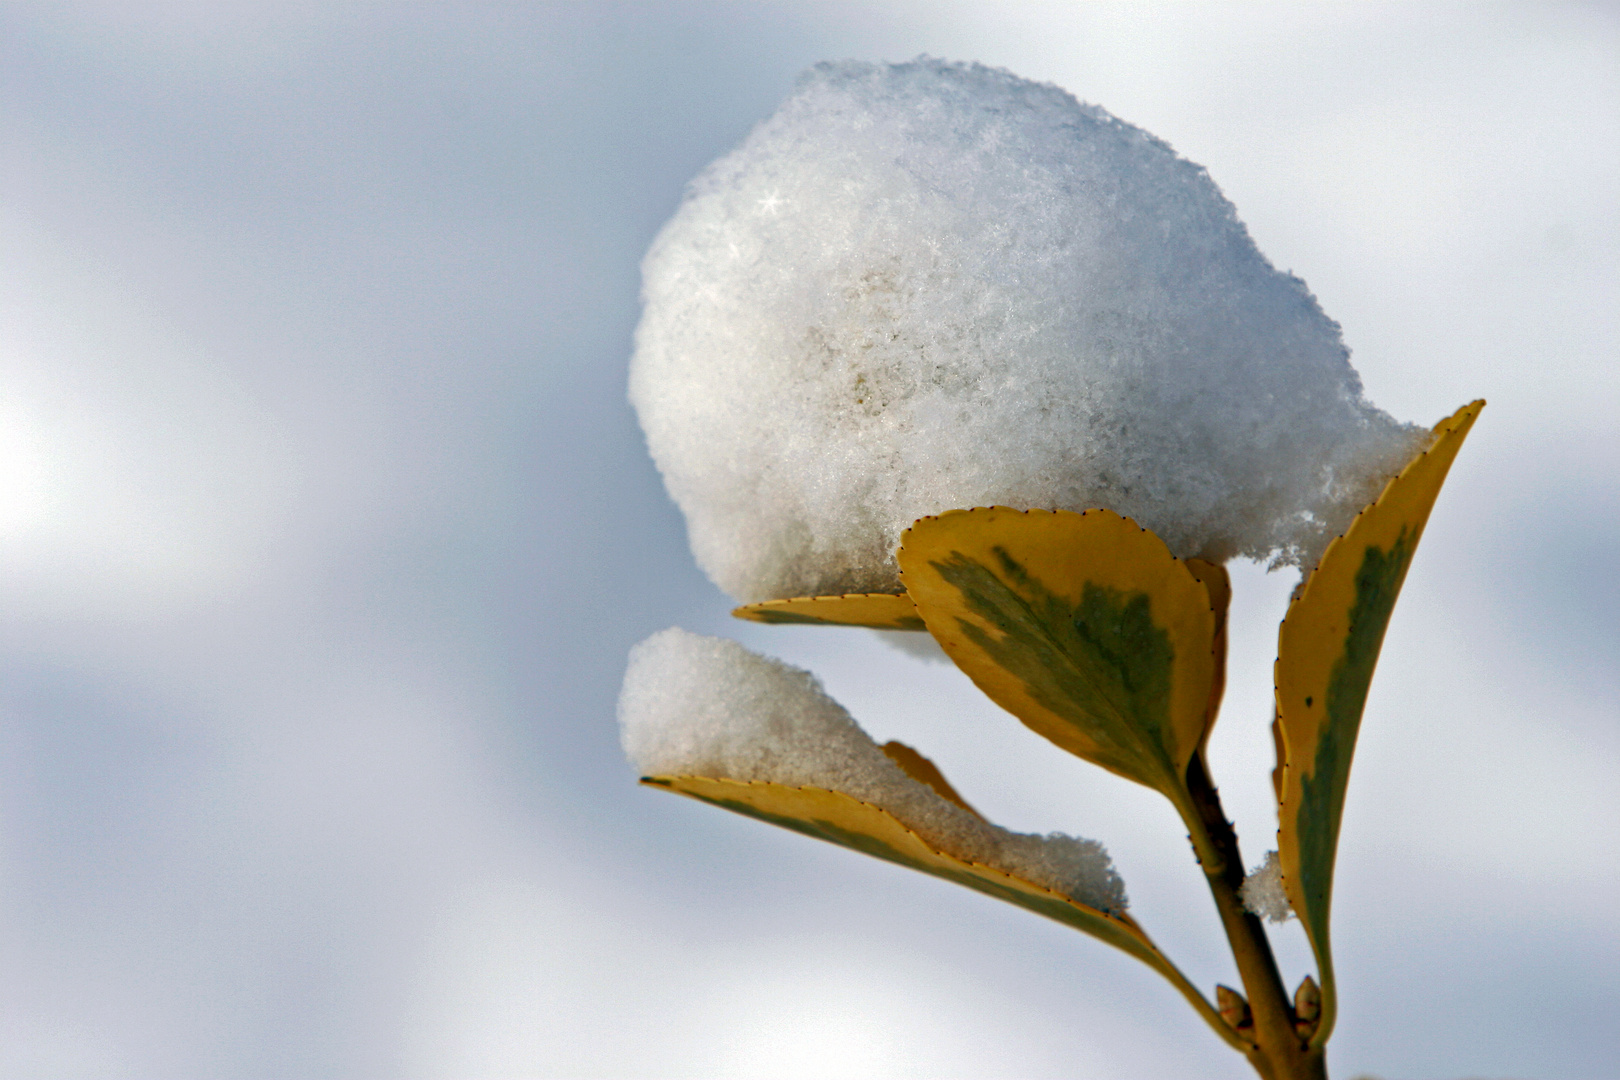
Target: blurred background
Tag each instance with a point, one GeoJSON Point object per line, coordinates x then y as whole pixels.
{"type": "Point", "coordinates": [325, 528]}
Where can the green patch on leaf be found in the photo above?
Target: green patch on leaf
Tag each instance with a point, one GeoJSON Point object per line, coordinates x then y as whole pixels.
{"type": "Point", "coordinates": [1378, 584]}
{"type": "Point", "coordinates": [1102, 664]}
{"type": "Point", "coordinates": [782, 617]}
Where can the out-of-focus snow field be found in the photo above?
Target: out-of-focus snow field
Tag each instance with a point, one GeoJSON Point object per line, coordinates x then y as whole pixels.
{"type": "Point", "coordinates": [325, 529]}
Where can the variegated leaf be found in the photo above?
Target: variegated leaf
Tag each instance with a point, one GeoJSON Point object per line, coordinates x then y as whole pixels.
{"type": "Point", "coordinates": [864, 827]}
{"type": "Point", "coordinates": [1327, 649]}
{"type": "Point", "coordinates": [1081, 625]}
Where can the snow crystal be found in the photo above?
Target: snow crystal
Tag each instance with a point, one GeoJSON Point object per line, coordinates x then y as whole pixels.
{"type": "Point", "coordinates": [931, 285]}
{"type": "Point", "coordinates": [702, 706]}
{"type": "Point", "coordinates": [1262, 891]}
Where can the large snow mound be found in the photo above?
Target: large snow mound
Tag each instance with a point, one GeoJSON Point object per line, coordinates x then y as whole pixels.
{"type": "Point", "coordinates": [930, 285]}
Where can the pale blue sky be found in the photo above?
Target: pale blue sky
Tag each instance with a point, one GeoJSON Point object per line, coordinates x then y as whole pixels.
{"type": "Point", "coordinates": [324, 530]}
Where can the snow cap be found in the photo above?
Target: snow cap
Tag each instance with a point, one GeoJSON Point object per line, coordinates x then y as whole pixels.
{"type": "Point", "coordinates": [927, 286]}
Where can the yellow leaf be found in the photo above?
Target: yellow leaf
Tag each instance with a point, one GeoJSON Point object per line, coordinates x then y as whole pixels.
{"type": "Point", "coordinates": [1081, 625]}
{"type": "Point", "coordinates": [880, 611]}
{"type": "Point", "coordinates": [864, 827]}
{"type": "Point", "coordinates": [925, 772]}
{"type": "Point", "coordinates": [1327, 649]}
{"type": "Point", "coordinates": [1218, 583]}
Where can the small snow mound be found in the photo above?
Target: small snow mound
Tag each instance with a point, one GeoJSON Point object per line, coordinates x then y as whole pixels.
{"type": "Point", "coordinates": [1262, 891]}
{"type": "Point", "coordinates": [702, 706]}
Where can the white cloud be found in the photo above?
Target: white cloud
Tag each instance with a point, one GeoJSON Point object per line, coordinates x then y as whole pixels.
{"type": "Point", "coordinates": [135, 475]}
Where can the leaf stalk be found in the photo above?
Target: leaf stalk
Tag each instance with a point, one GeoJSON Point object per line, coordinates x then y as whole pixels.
{"type": "Point", "coordinates": [1277, 1052]}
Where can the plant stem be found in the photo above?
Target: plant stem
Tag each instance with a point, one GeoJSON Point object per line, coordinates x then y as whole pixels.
{"type": "Point", "coordinates": [1279, 1052]}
